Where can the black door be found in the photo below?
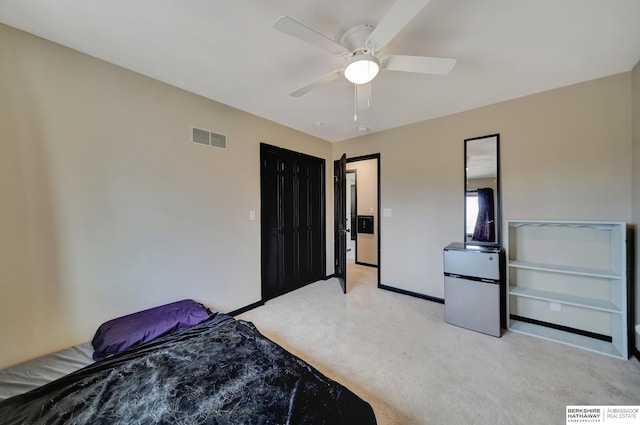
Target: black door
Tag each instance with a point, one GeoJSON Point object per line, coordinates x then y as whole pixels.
{"type": "Point", "coordinates": [309, 226]}
{"type": "Point", "coordinates": [292, 220]}
{"type": "Point", "coordinates": [340, 201]}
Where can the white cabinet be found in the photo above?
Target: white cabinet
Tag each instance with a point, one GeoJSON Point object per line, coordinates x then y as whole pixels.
{"type": "Point", "coordinates": [567, 282]}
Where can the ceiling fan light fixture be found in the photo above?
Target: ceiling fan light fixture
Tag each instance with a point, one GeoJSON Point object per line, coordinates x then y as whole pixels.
{"type": "Point", "coordinates": [361, 68]}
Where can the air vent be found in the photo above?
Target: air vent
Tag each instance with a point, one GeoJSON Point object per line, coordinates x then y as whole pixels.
{"type": "Point", "coordinates": [208, 138]}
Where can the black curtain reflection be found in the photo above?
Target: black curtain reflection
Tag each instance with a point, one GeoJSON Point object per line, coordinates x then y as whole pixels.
{"type": "Point", "coordinates": [485, 230]}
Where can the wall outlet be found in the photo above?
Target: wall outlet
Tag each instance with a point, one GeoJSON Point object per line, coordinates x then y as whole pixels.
{"type": "Point", "coordinates": [555, 306]}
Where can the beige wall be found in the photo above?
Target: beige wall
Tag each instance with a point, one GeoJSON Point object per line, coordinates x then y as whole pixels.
{"type": "Point", "coordinates": [565, 154]}
{"type": "Point", "coordinates": [367, 199]}
{"type": "Point", "coordinates": [636, 190]}
{"type": "Point", "coordinates": [107, 208]}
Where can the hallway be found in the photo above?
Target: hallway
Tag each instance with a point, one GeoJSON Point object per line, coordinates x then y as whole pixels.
{"type": "Point", "coordinates": [360, 275]}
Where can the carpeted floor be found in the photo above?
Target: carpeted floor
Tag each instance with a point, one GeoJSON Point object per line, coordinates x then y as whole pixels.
{"type": "Point", "coordinates": [397, 353]}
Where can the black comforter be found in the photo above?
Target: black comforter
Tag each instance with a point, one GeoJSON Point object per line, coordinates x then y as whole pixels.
{"type": "Point", "coordinates": [222, 371]}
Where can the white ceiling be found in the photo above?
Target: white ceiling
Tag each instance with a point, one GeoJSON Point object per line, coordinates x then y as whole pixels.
{"type": "Point", "coordinates": [228, 51]}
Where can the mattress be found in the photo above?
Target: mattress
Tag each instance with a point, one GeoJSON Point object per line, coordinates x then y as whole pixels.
{"type": "Point", "coordinates": [222, 371]}
{"type": "Point", "coordinates": [26, 376]}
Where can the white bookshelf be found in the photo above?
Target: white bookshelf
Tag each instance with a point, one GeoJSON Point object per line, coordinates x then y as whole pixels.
{"type": "Point", "coordinates": [567, 282]}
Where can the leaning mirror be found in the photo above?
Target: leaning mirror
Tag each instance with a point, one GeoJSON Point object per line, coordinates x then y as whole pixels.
{"type": "Point", "coordinates": [482, 190]}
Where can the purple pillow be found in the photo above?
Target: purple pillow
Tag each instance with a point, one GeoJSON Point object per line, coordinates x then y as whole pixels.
{"type": "Point", "coordinates": [117, 335]}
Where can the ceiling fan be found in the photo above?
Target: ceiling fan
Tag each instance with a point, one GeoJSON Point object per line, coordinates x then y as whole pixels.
{"type": "Point", "coordinates": [359, 46]}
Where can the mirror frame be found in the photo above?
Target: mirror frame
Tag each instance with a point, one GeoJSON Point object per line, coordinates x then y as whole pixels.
{"type": "Point", "coordinates": [497, 218]}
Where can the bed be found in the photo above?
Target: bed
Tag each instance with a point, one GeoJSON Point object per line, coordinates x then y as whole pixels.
{"type": "Point", "coordinates": [218, 370]}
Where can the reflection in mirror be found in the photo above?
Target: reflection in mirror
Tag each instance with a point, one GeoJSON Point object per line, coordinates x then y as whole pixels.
{"type": "Point", "coordinates": [482, 187]}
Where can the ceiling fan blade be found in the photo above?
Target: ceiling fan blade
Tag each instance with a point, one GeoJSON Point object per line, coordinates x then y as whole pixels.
{"type": "Point", "coordinates": [297, 30]}
{"type": "Point", "coordinates": [400, 14]}
{"type": "Point", "coordinates": [317, 82]}
{"type": "Point", "coordinates": [363, 96]}
{"type": "Point", "coordinates": [421, 64]}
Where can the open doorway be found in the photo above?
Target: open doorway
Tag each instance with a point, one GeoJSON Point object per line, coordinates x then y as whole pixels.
{"type": "Point", "coordinates": [363, 219]}
{"type": "Point", "coordinates": [351, 214]}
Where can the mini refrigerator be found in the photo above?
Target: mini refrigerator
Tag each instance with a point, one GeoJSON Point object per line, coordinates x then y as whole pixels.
{"type": "Point", "coordinates": [474, 295]}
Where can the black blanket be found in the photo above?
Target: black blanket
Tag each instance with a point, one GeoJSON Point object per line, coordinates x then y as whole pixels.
{"type": "Point", "coordinates": [222, 371]}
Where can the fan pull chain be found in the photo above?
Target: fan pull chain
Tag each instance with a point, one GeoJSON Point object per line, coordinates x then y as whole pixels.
{"type": "Point", "coordinates": [355, 103]}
